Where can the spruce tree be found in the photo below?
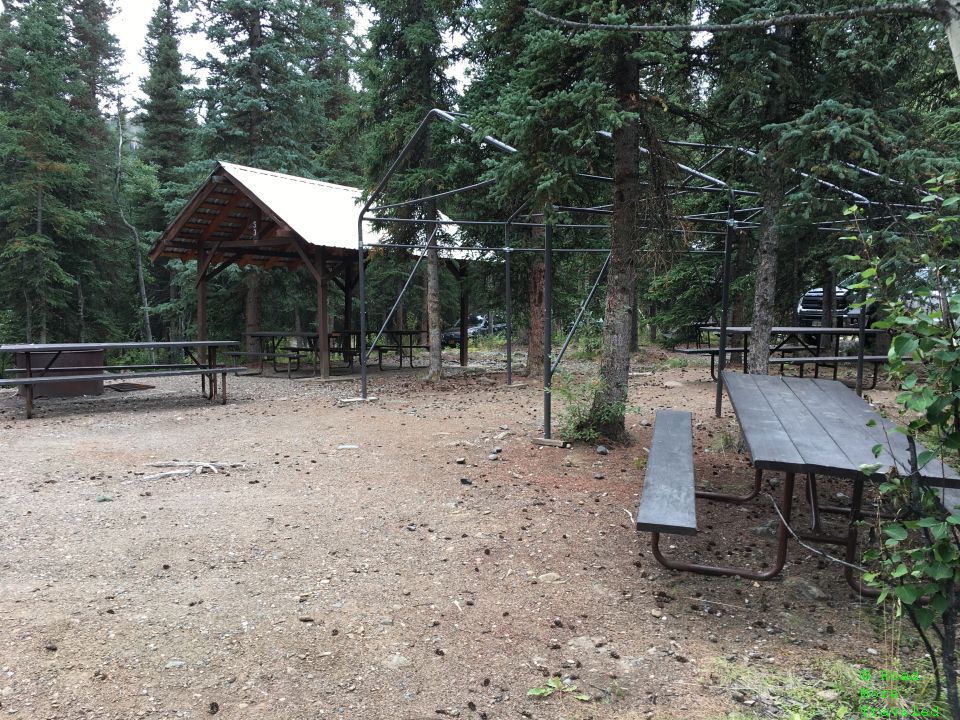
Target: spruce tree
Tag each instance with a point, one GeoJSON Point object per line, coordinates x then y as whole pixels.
{"type": "Point", "coordinates": [43, 174]}
{"type": "Point", "coordinates": [405, 74]}
{"type": "Point", "coordinates": [166, 114]}
{"type": "Point", "coordinates": [564, 90]}
{"type": "Point", "coordinates": [266, 99]}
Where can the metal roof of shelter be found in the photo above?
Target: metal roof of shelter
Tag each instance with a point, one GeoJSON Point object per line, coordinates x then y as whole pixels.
{"type": "Point", "coordinates": [250, 216]}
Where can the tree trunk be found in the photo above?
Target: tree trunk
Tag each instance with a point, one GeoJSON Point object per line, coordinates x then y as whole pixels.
{"type": "Point", "coordinates": [828, 282]}
{"type": "Point", "coordinates": [28, 312]}
{"type": "Point", "coordinates": [138, 251]}
{"type": "Point", "coordinates": [252, 307]}
{"type": "Point", "coordinates": [766, 274]}
{"type": "Point", "coordinates": [433, 313]}
{"type": "Point", "coordinates": [772, 199]}
{"type": "Point", "coordinates": [534, 368]}
{"type": "Point", "coordinates": [949, 650]}
{"type": "Point", "coordinates": [635, 324]}
{"type": "Point", "coordinates": [610, 398]}
{"type": "Point", "coordinates": [81, 314]}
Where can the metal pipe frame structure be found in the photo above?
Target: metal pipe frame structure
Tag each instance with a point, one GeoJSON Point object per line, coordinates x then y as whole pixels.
{"type": "Point", "coordinates": [368, 214]}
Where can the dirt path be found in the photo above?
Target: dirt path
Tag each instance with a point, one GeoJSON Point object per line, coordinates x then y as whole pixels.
{"type": "Point", "coordinates": [383, 580]}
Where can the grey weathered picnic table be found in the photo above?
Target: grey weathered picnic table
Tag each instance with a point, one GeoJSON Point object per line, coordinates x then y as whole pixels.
{"type": "Point", "coordinates": [203, 353]}
{"type": "Point", "coordinates": [821, 427]}
{"type": "Point", "coordinates": [813, 427]}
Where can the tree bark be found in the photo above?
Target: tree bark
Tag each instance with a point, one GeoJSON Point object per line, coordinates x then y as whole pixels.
{"type": "Point", "coordinates": [534, 367]}
{"type": "Point", "coordinates": [828, 281]}
{"type": "Point", "coordinates": [28, 313]}
{"type": "Point", "coordinates": [610, 398]}
{"type": "Point", "coordinates": [252, 307]}
{"type": "Point", "coordinates": [433, 313]}
{"type": "Point", "coordinates": [766, 274]}
{"type": "Point", "coordinates": [81, 314]}
{"type": "Point", "coordinates": [772, 199]}
{"type": "Point", "coordinates": [138, 251]}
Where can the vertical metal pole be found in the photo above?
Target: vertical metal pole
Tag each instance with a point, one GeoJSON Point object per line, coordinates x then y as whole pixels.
{"type": "Point", "coordinates": [509, 311]}
{"type": "Point", "coordinates": [862, 338]}
{"type": "Point", "coordinates": [725, 300]}
{"type": "Point", "coordinates": [464, 312]}
{"type": "Point", "coordinates": [362, 344]}
{"type": "Point", "coordinates": [547, 325]}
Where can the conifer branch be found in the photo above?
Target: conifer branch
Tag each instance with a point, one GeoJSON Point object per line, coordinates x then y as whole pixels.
{"type": "Point", "coordinates": [938, 9]}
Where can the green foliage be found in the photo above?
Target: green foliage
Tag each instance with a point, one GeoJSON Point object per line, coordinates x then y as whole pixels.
{"type": "Point", "coordinates": [562, 687]}
{"type": "Point", "coordinates": [919, 558]}
{"type": "Point", "coordinates": [825, 690]}
{"type": "Point", "coordinates": [169, 126]}
{"type": "Point", "coordinates": [579, 420]}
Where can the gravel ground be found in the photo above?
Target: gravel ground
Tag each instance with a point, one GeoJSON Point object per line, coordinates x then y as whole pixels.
{"type": "Point", "coordinates": [373, 561]}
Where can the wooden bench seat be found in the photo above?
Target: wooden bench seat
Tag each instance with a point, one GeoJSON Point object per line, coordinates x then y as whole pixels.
{"type": "Point", "coordinates": [668, 502]}
{"type": "Point", "coordinates": [398, 349]}
{"type": "Point", "coordinates": [30, 382]}
{"type": "Point", "coordinates": [273, 356]}
{"type": "Point", "coordinates": [834, 362]}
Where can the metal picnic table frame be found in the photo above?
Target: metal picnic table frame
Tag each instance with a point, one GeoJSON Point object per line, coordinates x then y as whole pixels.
{"type": "Point", "coordinates": [814, 427]}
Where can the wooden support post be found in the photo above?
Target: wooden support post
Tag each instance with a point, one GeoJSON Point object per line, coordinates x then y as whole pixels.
{"type": "Point", "coordinates": [201, 294]}
{"type": "Point", "coordinates": [349, 282]}
{"type": "Point", "coordinates": [323, 337]}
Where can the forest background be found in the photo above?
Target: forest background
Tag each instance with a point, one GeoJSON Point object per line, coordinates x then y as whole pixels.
{"type": "Point", "coordinates": [86, 184]}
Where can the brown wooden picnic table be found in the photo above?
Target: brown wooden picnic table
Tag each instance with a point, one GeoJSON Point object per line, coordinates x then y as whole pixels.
{"type": "Point", "coordinates": [39, 367]}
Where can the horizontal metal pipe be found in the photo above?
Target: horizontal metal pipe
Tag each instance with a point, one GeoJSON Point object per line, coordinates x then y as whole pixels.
{"type": "Point", "coordinates": [437, 196]}
{"type": "Point", "coordinates": [485, 249]}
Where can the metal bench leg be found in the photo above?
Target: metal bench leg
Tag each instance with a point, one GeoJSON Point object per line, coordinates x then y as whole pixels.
{"type": "Point", "coordinates": [723, 497]}
{"type": "Point", "coordinates": [223, 395]}
{"type": "Point", "coordinates": [745, 573]}
{"type": "Point", "coordinates": [814, 502]}
{"type": "Point", "coordinates": [28, 401]}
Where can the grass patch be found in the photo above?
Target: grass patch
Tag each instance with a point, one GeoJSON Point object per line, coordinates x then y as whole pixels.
{"type": "Point", "coordinates": [833, 690]}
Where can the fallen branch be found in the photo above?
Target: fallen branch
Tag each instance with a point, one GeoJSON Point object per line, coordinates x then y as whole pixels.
{"type": "Point", "coordinates": [190, 467]}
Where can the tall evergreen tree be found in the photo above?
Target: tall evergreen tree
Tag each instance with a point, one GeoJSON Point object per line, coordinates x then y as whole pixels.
{"type": "Point", "coordinates": [266, 99]}
{"type": "Point", "coordinates": [43, 175]}
{"type": "Point", "coordinates": [168, 142]}
{"type": "Point", "coordinates": [551, 108]}
{"type": "Point", "coordinates": [405, 74]}
{"type": "Point", "coordinates": [167, 119]}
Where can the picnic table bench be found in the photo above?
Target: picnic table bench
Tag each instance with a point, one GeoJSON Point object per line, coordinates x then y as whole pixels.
{"type": "Point", "coordinates": [790, 425]}
{"type": "Point", "coordinates": [202, 353]}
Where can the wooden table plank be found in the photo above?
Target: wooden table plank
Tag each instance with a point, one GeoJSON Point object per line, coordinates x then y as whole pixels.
{"type": "Point", "coordinates": [886, 434]}
{"type": "Point", "coordinates": [768, 441]}
{"type": "Point", "coordinates": [850, 432]}
{"type": "Point", "coordinates": [818, 447]}
{"type": "Point", "coordinates": [66, 347]}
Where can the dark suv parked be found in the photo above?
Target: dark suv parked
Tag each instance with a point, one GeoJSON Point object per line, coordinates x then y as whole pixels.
{"type": "Point", "coordinates": [810, 307]}
{"type": "Point", "coordinates": [476, 325]}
